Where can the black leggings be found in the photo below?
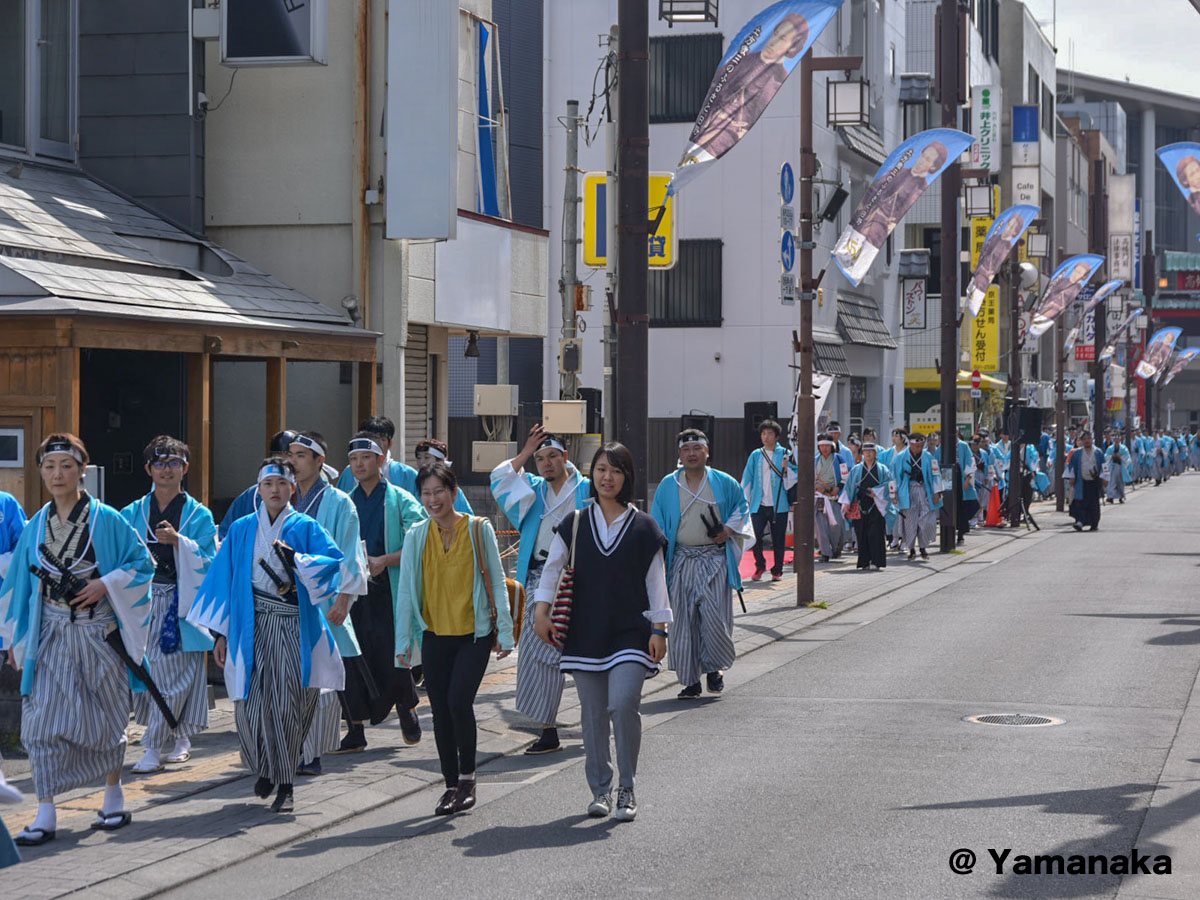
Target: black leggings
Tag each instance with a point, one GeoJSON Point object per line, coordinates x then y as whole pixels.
{"type": "Point", "coordinates": [454, 667]}
{"type": "Point", "coordinates": [763, 519]}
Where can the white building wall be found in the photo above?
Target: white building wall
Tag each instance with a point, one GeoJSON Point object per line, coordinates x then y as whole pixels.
{"type": "Point", "coordinates": [749, 358]}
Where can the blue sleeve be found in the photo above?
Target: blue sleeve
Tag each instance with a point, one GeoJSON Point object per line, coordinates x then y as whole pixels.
{"type": "Point", "coordinates": [462, 504]}
{"type": "Point", "coordinates": [12, 518]}
{"type": "Point", "coordinates": [242, 505]}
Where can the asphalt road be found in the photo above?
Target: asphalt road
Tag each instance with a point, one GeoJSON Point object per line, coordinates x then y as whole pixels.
{"type": "Point", "coordinates": [838, 764]}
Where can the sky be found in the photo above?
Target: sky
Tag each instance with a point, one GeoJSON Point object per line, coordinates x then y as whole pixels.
{"type": "Point", "coordinates": [1153, 42]}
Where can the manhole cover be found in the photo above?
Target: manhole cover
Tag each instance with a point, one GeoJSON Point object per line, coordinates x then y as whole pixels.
{"type": "Point", "coordinates": [1012, 719]}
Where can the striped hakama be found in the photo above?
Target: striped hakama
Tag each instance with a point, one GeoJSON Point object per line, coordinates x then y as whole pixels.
{"type": "Point", "coordinates": [702, 608]}
{"type": "Point", "coordinates": [324, 733]}
{"type": "Point", "coordinates": [73, 721]}
{"type": "Point", "coordinates": [539, 679]}
{"type": "Point", "coordinates": [917, 525]}
{"type": "Point", "coordinates": [1116, 482]}
{"type": "Point", "coordinates": [181, 677]}
{"type": "Point", "coordinates": [829, 533]}
{"type": "Point", "coordinates": [278, 710]}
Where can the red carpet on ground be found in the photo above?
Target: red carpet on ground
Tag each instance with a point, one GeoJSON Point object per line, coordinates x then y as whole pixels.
{"type": "Point", "coordinates": [746, 567]}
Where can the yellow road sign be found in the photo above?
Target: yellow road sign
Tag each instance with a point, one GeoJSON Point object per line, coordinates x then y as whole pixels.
{"type": "Point", "coordinates": [662, 245]}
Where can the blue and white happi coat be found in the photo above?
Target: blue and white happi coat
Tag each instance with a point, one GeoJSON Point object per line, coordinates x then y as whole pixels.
{"type": "Point", "coordinates": [752, 480]}
{"type": "Point", "coordinates": [225, 602]}
{"type": "Point", "coordinates": [12, 523]}
{"type": "Point", "coordinates": [125, 566]}
{"type": "Point", "coordinates": [402, 475]}
{"type": "Point", "coordinates": [193, 555]}
{"type": "Point", "coordinates": [731, 506]}
{"type": "Point", "coordinates": [884, 493]}
{"type": "Point", "coordinates": [337, 514]}
{"type": "Point", "coordinates": [522, 496]}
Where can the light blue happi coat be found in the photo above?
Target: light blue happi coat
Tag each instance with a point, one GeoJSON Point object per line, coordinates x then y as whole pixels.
{"type": "Point", "coordinates": [338, 515]}
{"type": "Point", "coordinates": [883, 492]}
{"type": "Point", "coordinates": [402, 475]}
{"type": "Point", "coordinates": [125, 567]}
{"type": "Point", "coordinates": [522, 496]}
{"type": "Point", "coordinates": [193, 555]}
{"type": "Point", "coordinates": [1041, 480]}
{"type": "Point", "coordinates": [752, 485]}
{"type": "Point", "coordinates": [902, 473]}
{"type": "Point", "coordinates": [731, 506]}
{"type": "Point", "coordinates": [12, 523]}
{"type": "Point", "coordinates": [1120, 449]}
{"type": "Point", "coordinates": [225, 602]}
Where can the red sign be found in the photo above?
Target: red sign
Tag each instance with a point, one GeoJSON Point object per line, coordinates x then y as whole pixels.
{"type": "Point", "coordinates": [976, 379]}
{"type": "Point", "coordinates": [1085, 353]}
{"type": "Point", "coordinates": [1188, 281]}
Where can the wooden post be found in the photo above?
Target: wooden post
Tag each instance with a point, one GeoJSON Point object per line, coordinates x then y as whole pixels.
{"type": "Point", "coordinates": [276, 397]}
{"type": "Point", "coordinates": [199, 425]}
{"type": "Point", "coordinates": [366, 392]}
{"type": "Point", "coordinates": [66, 414]}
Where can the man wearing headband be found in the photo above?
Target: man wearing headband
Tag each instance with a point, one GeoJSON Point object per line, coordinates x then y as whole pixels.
{"type": "Point", "coordinates": [704, 515]}
{"type": "Point", "coordinates": [829, 525]}
{"type": "Point", "coordinates": [870, 485]}
{"type": "Point", "coordinates": [766, 479]}
{"type": "Point", "coordinates": [180, 533]}
{"type": "Point", "coordinates": [263, 596]}
{"type": "Point", "coordinates": [918, 495]}
{"type": "Point", "coordinates": [336, 513]}
{"type": "Point", "coordinates": [432, 450]}
{"type": "Point", "coordinates": [385, 512]}
{"type": "Point", "coordinates": [248, 500]}
{"type": "Point", "coordinates": [75, 685]}
{"type": "Point", "coordinates": [535, 504]}
{"type": "Point", "coordinates": [1084, 480]}
{"type": "Point", "coordinates": [968, 494]}
{"type": "Point", "coordinates": [382, 430]}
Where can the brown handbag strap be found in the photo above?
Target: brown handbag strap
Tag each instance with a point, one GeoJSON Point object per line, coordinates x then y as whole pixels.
{"type": "Point", "coordinates": [574, 538]}
{"type": "Point", "coordinates": [476, 526]}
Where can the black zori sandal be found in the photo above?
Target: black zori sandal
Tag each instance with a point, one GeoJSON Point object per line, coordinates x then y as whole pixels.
{"type": "Point", "coordinates": [34, 837]}
{"type": "Point", "coordinates": [111, 821]}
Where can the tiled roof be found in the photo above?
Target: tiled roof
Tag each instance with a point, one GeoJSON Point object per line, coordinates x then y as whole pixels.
{"type": "Point", "coordinates": [1177, 261]}
{"type": "Point", "coordinates": [830, 359]}
{"type": "Point", "coordinates": [859, 322]}
{"type": "Point", "coordinates": [71, 245]}
{"type": "Point", "coordinates": [865, 141]}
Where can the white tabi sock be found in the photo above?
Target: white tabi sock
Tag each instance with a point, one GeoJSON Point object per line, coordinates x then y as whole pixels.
{"type": "Point", "coordinates": [150, 760]}
{"type": "Point", "coordinates": [182, 745]}
{"type": "Point", "coordinates": [47, 818]}
{"type": "Point", "coordinates": [114, 800]}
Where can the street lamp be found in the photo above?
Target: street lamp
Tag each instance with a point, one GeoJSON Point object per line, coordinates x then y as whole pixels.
{"type": "Point", "coordinates": [687, 11]}
{"type": "Point", "coordinates": [980, 201]}
{"type": "Point", "coordinates": [1037, 245]}
{"type": "Point", "coordinates": [847, 103]}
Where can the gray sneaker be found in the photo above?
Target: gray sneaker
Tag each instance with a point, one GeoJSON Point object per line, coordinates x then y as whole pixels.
{"type": "Point", "coordinates": [626, 805]}
{"type": "Point", "coordinates": [601, 807]}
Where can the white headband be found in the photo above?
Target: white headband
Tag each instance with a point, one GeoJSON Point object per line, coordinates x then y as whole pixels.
{"type": "Point", "coordinates": [825, 443]}
{"type": "Point", "coordinates": [63, 448]}
{"type": "Point", "coordinates": [364, 445]}
{"type": "Point", "coordinates": [550, 444]}
{"type": "Point", "coordinates": [309, 443]}
{"type": "Point", "coordinates": [703, 442]}
{"type": "Point", "coordinates": [272, 470]}
{"type": "Point", "coordinates": [435, 452]}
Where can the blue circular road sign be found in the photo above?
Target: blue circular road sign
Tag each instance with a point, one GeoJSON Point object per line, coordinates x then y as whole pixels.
{"type": "Point", "coordinates": [787, 183]}
{"type": "Point", "coordinates": [787, 251]}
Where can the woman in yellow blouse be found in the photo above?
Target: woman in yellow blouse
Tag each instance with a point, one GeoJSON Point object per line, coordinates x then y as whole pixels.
{"type": "Point", "coordinates": [444, 610]}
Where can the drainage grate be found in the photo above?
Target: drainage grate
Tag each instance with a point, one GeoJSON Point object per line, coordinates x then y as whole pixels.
{"type": "Point", "coordinates": [1018, 719]}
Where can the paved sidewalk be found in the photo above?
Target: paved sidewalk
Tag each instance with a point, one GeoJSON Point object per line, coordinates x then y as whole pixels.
{"type": "Point", "coordinates": [182, 814]}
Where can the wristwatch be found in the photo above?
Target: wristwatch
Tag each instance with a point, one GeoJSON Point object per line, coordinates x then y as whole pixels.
{"type": "Point", "coordinates": [658, 631]}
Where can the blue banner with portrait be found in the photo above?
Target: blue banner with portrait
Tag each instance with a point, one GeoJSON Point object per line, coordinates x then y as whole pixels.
{"type": "Point", "coordinates": [1111, 347]}
{"type": "Point", "coordinates": [903, 177]}
{"type": "Point", "coordinates": [1181, 362]}
{"type": "Point", "coordinates": [1065, 284]}
{"type": "Point", "coordinates": [1182, 162]}
{"type": "Point", "coordinates": [758, 61]}
{"type": "Point", "coordinates": [1097, 298]}
{"type": "Point", "coordinates": [1001, 238]}
{"type": "Point", "coordinates": [1158, 351]}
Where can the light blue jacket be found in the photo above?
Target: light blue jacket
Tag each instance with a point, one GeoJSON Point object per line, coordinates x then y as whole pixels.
{"type": "Point", "coordinates": [752, 485]}
{"type": "Point", "coordinates": [850, 491]}
{"type": "Point", "coordinates": [901, 471]}
{"type": "Point", "coordinates": [731, 507]}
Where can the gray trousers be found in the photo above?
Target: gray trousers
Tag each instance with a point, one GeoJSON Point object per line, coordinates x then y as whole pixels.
{"type": "Point", "coordinates": [615, 694]}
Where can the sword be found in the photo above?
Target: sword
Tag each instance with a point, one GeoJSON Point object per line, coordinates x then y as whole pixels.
{"type": "Point", "coordinates": [67, 585]}
{"type": "Point", "coordinates": [67, 588]}
{"type": "Point", "coordinates": [741, 599]}
{"type": "Point", "coordinates": [281, 587]}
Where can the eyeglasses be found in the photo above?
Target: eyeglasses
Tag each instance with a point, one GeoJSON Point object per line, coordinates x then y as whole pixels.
{"type": "Point", "coordinates": [167, 463]}
{"type": "Point", "coordinates": [436, 492]}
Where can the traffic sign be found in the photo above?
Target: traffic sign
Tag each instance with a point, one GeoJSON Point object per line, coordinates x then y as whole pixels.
{"type": "Point", "coordinates": [787, 217]}
{"type": "Point", "coordinates": [787, 290]}
{"type": "Point", "coordinates": [787, 183]}
{"type": "Point", "coordinates": [976, 380]}
{"type": "Point", "coordinates": [787, 251]}
{"type": "Point", "coordinates": [663, 245]}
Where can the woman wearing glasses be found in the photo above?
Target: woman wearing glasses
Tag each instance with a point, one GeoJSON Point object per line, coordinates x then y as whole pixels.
{"type": "Point", "coordinates": [446, 610]}
{"type": "Point", "coordinates": [180, 533]}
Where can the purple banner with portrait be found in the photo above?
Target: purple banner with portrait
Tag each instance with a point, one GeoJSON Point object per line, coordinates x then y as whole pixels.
{"type": "Point", "coordinates": [1181, 362]}
{"type": "Point", "coordinates": [1001, 238]}
{"type": "Point", "coordinates": [1111, 347]}
{"type": "Point", "coordinates": [758, 61]}
{"type": "Point", "coordinates": [1065, 284]}
{"type": "Point", "coordinates": [1158, 351]}
{"type": "Point", "coordinates": [1182, 162]}
{"type": "Point", "coordinates": [1097, 298]}
{"type": "Point", "coordinates": [903, 177]}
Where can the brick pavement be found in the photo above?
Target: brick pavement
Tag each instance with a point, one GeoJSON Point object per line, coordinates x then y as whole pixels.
{"type": "Point", "coordinates": [183, 814]}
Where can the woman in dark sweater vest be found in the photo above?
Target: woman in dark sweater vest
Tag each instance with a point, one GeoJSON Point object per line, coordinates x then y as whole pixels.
{"type": "Point", "coordinates": [618, 629]}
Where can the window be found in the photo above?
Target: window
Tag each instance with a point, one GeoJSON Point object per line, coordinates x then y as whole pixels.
{"type": "Point", "coordinates": [689, 295]}
{"type": "Point", "coordinates": [681, 69]}
{"type": "Point", "coordinates": [37, 75]}
{"type": "Point", "coordinates": [916, 118]}
{"type": "Point", "coordinates": [1033, 87]}
{"type": "Point", "coordinates": [1047, 111]}
{"type": "Point", "coordinates": [892, 62]}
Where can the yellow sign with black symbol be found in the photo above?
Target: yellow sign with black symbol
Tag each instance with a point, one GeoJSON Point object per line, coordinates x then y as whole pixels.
{"type": "Point", "coordinates": [662, 245]}
{"type": "Point", "coordinates": [983, 332]}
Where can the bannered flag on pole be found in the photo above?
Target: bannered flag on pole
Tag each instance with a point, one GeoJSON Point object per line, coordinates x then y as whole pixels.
{"type": "Point", "coordinates": [1065, 284]}
{"type": "Point", "coordinates": [1181, 363]}
{"type": "Point", "coordinates": [1111, 347]}
{"type": "Point", "coordinates": [758, 61]}
{"type": "Point", "coordinates": [1158, 351]}
{"type": "Point", "coordinates": [1100, 296]}
{"type": "Point", "coordinates": [1001, 238]}
{"type": "Point", "coordinates": [903, 177]}
{"type": "Point", "coordinates": [1182, 162]}
{"type": "Point", "coordinates": [821, 385]}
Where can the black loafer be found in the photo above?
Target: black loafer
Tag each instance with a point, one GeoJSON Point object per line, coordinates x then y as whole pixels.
{"type": "Point", "coordinates": [691, 692]}
{"type": "Point", "coordinates": [445, 804]}
{"type": "Point", "coordinates": [464, 796]}
{"type": "Point", "coordinates": [410, 726]}
{"type": "Point", "coordinates": [547, 743]}
{"type": "Point", "coordinates": [716, 682]}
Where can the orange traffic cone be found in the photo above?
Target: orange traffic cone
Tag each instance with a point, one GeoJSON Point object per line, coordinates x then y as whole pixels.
{"type": "Point", "coordinates": [993, 514]}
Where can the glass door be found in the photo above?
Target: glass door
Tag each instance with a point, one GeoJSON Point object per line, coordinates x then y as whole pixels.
{"type": "Point", "coordinates": [54, 81]}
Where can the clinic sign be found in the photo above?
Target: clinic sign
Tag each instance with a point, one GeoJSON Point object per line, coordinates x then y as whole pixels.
{"type": "Point", "coordinates": [985, 126]}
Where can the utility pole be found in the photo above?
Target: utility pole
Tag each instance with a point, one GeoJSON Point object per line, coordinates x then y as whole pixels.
{"type": "Point", "coordinates": [610, 240]}
{"type": "Point", "coordinates": [1060, 407]}
{"type": "Point", "coordinates": [806, 439]}
{"type": "Point", "coordinates": [949, 86]}
{"type": "Point", "coordinates": [1098, 234]}
{"type": "Point", "coordinates": [1014, 392]}
{"type": "Point", "coordinates": [633, 154]}
{"type": "Point", "coordinates": [568, 276]}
